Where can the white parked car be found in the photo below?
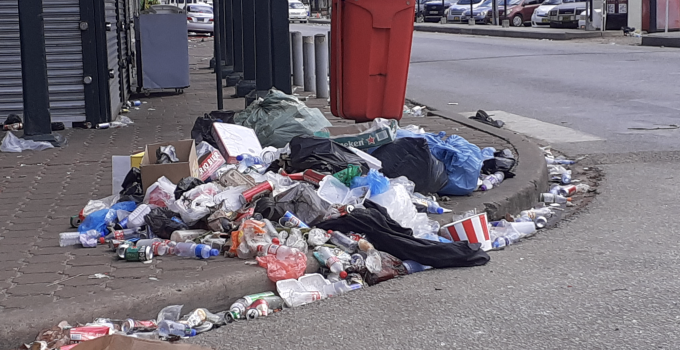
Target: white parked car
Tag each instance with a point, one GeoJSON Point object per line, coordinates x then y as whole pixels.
{"type": "Point", "coordinates": [540, 15]}
{"type": "Point", "coordinates": [200, 18]}
{"type": "Point", "coordinates": [297, 12]}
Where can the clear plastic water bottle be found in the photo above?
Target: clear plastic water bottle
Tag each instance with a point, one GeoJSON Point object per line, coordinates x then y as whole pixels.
{"type": "Point", "coordinates": [554, 198]}
{"type": "Point", "coordinates": [90, 238]}
{"type": "Point", "coordinates": [414, 266]}
{"type": "Point", "coordinates": [249, 160]}
{"type": "Point", "coordinates": [339, 288]}
{"type": "Point", "coordinates": [317, 237]}
{"type": "Point", "coordinates": [167, 328]}
{"type": "Point", "coordinates": [281, 252]}
{"type": "Point", "coordinates": [200, 251]}
{"type": "Point", "coordinates": [343, 242]}
{"type": "Point", "coordinates": [69, 238]}
{"type": "Point", "coordinates": [508, 237]}
{"type": "Point", "coordinates": [301, 298]}
{"type": "Point", "coordinates": [423, 203]}
{"type": "Point", "coordinates": [559, 161]}
{"type": "Point", "coordinates": [326, 257]}
{"type": "Point", "coordinates": [566, 178]}
{"type": "Point", "coordinates": [492, 180]}
{"type": "Point", "coordinates": [159, 246]}
{"type": "Point", "coordinates": [373, 260]}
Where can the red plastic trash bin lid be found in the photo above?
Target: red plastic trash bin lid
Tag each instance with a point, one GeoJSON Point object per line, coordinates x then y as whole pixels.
{"type": "Point", "coordinates": [371, 49]}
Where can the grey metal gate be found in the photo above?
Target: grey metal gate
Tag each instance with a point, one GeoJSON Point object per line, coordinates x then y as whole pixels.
{"type": "Point", "coordinates": [111, 15]}
{"type": "Point", "coordinates": [124, 27]}
{"type": "Point", "coordinates": [11, 99]}
{"type": "Point", "coordinates": [63, 44]}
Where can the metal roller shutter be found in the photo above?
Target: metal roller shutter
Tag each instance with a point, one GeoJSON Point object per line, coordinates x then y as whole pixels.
{"type": "Point", "coordinates": [112, 49]}
{"type": "Point", "coordinates": [63, 44]}
{"type": "Point", "coordinates": [11, 99]}
{"type": "Point", "coordinates": [122, 13]}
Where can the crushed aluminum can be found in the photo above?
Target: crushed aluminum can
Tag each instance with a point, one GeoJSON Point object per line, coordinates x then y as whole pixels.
{"type": "Point", "coordinates": [290, 220]}
{"type": "Point", "coordinates": [313, 177]}
{"type": "Point", "coordinates": [114, 244]}
{"type": "Point", "coordinates": [541, 222]}
{"type": "Point", "coordinates": [75, 221]}
{"type": "Point", "coordinates": [130, 326]}
{"type": "Point", "coordinates": [233, 177]}
{"type": "Point", "coordinates": [258, 191]}
{"type": "Point", "coordinates": [120, 251]}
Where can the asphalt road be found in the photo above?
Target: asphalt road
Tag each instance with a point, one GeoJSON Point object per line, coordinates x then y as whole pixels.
{"type": "Point", "coordinates": [604, 279]}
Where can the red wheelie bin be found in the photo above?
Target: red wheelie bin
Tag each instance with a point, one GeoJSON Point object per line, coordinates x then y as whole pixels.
{"type": "Point", "coordinates": [370, 53]}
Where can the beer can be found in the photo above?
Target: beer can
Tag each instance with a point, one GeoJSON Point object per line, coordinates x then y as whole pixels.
{"type": "Point", "coordinates": [114, 244]}
{"type": "Point", "coordinates": [290, 220]}
{"type": "Point", "coordinates": [297, 176]}
{"type": "Point", "coordinates": [313, 177]}
{"type": "Point", "coordinates": [120, 251]}
{"type": "Point", "coordinates": [568, 190]}
{"type": "Point", "coordinates": [75, 221]}
{"type": "Point", "coordinates": [103, 125]}
{"type": "Point", "coordinates": [130, 326]}
{"type": "Point", "coordinates": [541, 222]}
{"type": "Point", "coordinates": [259, 190]}
{"type": "Point", "coordinates": [143, 253]}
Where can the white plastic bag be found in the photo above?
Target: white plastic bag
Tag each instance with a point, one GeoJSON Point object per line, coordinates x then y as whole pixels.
{"type": "Point", "coordinates": [161, 193]}
{"type": "Point", "coordinates": [13, 144]}
{"type": "Point", "coordinates": [397, 201]}
{"type": "Point", "coordinates": [230, 199]}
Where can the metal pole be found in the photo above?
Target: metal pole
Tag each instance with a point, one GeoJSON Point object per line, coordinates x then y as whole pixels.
{"type": "Point", "coordinates": [263, 46]}
{"type": "Point", "coordinates": [238, 35]}
{"type": "Point", "coordinates": [308, 63]}
{"type": "Point", "coordinates": [494, 8]}
{"type": "Point", "coordinates": [329, 52]}
{"type": "Point", "coordinates": [228, 33]}
{"type": "Point", "coordinates": [281, 46]}
{"type": "Point", "coordinates": [218, 55]}
{"type": "Point", "coordinates": [321, 56]}
{"type": "Point", "coordinates": [248, 83]}
{"type": "Point", "coordinates": [37, 118]}
{"type": "Point", "coordinates": [298, 72]}
{"type": "Point", "coordinates": [505, 10]}
{"type": "Point", "coordinates": [666, 29]}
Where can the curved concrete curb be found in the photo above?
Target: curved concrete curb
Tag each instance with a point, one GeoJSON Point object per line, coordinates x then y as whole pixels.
{"type": "Point", "coordinates": [531, 171]}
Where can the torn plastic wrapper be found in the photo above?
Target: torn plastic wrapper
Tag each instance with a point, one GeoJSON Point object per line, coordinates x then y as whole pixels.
{"type": "Point", "coordinates": [13, 144]}
{"type": "Point", "coordinates": [322, 155]}
{"type": "Point", "coordinates": [166, 154]}
{"type": "Point", "coordinates": [292, 267]}
{"type": "Point", "coordinates": [161, 193]}
{"type": "Point", "coordinates": [304, 202]}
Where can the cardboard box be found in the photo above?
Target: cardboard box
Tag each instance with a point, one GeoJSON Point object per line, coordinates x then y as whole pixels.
{"type": "Point", "coordinates": [187, 165]}
{"type": "Point", "coordinates": [362, 136]}
{"type": "Point", "coordinates": [121, 342]}
{"type": "Point", "coordinates": [209, 164]}
{"type": "Point", "coordinates": [235, 140]}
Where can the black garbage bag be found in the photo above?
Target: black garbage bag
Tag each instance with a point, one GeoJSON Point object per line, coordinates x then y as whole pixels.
{"type": "Point", "coordinates": [388, 236]}
{"type": "Point", "coordinates": [411, 157]}
{"type": "Point", "coordinates": [132, 187]}
{"type": "Point", "coordinates": [323, 155]}
{"type": "Point", "coordinates": [267, 207]}
{"type": "Point", "coordinates": [303, 201]}
{"type": "Point", "coordinates": [163, 222]}
{"type": "Point", "coordinates": [202, 129]}
{"type": "Point", "coordinates": [503, 161]}
{"type": "Point", "coordinates": [12, 119]}
{"type": "Point", "coordinates": [185, 185]}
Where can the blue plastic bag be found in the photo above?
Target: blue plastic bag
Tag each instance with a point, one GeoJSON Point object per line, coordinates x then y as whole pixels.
{"type": "Point", "coordinates": [375, 181]}
{"type": "Point", "coordinates": [98, 221]}
{"type": "Point", "coordinates": [463, 160]}
{"type": "Point", "coordinates": [127, 206]}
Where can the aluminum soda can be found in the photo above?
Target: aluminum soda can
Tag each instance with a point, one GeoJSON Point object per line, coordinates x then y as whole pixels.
{"type": "Point", "coordinates": [143, 253]}
{"type": "Point", "coordinates": [290, 220]}
{"type": "Point", "coordinates": [120, 251]}
{"type": "Point", "coordinates": [259, 190]}
{"type": "Point", "coordinates": [541, 222]}
{"type": "Point", "coordinates": [313, 177]}
{"type": "Point", "coordinates": [114, 243]}
{"type": "Point", "coordinates": [568, 190]}
{"type": "Point", "coordinates": [130, 326]}
{"type": "Point", "coordinates": [13, 127]}
{"type": "Point", "coordinates": [103, 125]}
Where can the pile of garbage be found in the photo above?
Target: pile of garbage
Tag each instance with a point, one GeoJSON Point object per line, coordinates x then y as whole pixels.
{"type": "Point", "coordinates": [278, 184]}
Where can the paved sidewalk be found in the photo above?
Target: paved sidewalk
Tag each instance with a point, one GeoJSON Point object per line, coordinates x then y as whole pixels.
{"type": "Point", "coordinates": [42, 283]}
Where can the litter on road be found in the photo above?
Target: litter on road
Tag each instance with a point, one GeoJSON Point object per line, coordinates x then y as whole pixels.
{"type": "Point", "coordinates": [355, 199]}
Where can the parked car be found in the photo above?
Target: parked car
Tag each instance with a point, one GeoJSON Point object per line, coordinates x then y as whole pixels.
{"type": "Point", "coordinates": [482, 14]}
{"type": "Point", "coordinates": [456, 11]}
{"type": "Point", "coordinates": [566, 14]}
{"type": "Point", "coordinates": [436, 9]}
{"type": "Point", "coordinates": [519, 11]}
{"type": "Point", "coordinates": [200, 18]}
{"type": "Point", "coordinates": [540, 15]}
{"type": "Point", "coordinates": [297, 12]}
{"type": "Point", "coordinates": [420, 10]}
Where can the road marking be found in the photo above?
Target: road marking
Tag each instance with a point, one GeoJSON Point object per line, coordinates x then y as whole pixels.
{"type": "Point", "coordinates": [537, 129]}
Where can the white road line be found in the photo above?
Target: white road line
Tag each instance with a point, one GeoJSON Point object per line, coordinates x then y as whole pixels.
{"type": "Point", "coordinates": [541, 130]}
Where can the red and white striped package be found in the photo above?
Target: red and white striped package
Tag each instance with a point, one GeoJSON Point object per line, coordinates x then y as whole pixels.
{"type": "Point", "coordinates": [81, 334]}
{"type": "Point", "coordinates": [474, 229]}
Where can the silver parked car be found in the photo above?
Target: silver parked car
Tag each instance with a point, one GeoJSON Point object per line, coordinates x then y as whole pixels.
{"type": "Point", "coordinates": [200, 18]}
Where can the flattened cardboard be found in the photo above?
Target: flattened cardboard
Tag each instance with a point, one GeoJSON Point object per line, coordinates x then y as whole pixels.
{"type": "Point", "coordinates": [121, 342]}
{"type": "Point", "coordinates": [362, 136]}
{"type": "Point", "coordinates": [187, 165]}
{"type": "Point", "coordinates": [235, 140]}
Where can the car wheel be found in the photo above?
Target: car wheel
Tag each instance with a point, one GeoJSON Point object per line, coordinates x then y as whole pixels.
{"type": "Point", "coordinates": [517, 21]}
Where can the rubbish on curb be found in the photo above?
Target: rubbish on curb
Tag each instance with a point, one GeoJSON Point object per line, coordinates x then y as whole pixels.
{"type": "Point", "coordinates": [362, 135]}
{"type": "Point", "coordinates": [13, 144]}
{"type": "Point", "coordinates": [483, 117]}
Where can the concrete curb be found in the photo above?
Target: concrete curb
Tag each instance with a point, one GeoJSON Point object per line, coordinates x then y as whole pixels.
{"type": "Point", "coordinates": [665, 41]}
{"type": "Point", "coordinates": [531, 172]}
{"type": "Point", "coordinates": [216, 293]}
{"type": "Point", "coordinates": [554, 34]}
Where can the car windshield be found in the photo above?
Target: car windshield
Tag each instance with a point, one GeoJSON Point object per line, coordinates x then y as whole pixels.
{"type": "Point", "coordinates": [552, 2]}
{"type": "Point", "coordinates": [296, 5]}
{"type": "Point", "coordinates": [468, 2]}
{"type": "Point", "coordinates": [510, 2]}
{"type": "Point", "coordinates": [201, 9]}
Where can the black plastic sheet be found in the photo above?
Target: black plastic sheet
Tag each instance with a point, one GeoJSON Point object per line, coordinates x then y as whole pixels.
{"type": "Point", "coordinates": [503, 161]}
{"type": "Point", "coordinates": [185, 185]}
{"type": "Point", "coordinates": [132, 187]}
{"type": "Point", "coordinates": [323, 155]}
{"type": "Point", "coordinates": [387, 235]}
{"type": "Point", "coordinates": [303, 201]}
{"type": "Point", "coordinates": [163, 222]}
{"type": "Point", "coordinates": [411, 157]}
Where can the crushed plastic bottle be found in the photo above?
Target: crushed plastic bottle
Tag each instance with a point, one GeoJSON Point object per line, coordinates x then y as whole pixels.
{"type": "Point", "coordinates": [551, 160]}
{"type": "Point", "coordinates": [426, 204]}
{"type": "Point", "coordinates": [281, 252]}
{"type": "Point", "coordinates": [414, 266]}
{"type": "Point", "coordinates": [373, 259]}
{"type": "Point", "coordinates": [339, 288]}
{"type": "Point", "coordinates": [295, 240]}
{"type": "Point", "coordinates": [505, 237]}
{"type": "Point", "coordinates": [343, 242]}
{"type": "Point", "coordinates": [69, 238]}
{"type": "Point", "coordinates": [301, 298]}
{"type": "Point", "coordinates": [326, 258]}
{"type": "Point", "coordinates": [90, 238]}
{"type": "Point", "coordinates": [316, 237]}
{"type": "Point", "coordinates": [552, 198]}
{"type": "Point", "coordinates": [492, 180]}
{"type": "Point", "coordinates": [200, 251]}
{"type": "Point", "coordinates": [167, 328]}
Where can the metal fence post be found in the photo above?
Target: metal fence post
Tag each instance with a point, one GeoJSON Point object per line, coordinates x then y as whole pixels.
{"type": "Point", "coordinates": [248, 21]}
{"type": "Point", "coordinates": [321, 56]}
{"type": "Point", "coordinates": [308, 63]}
{"type": "Point", "coordinates": [218, 54]}
{"type": "Point", "coordinates": [280, 46]}
{"type": "Point", "coordinates": [263, 46]}
{"type": "Point", "coordinates": [298, 71]}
